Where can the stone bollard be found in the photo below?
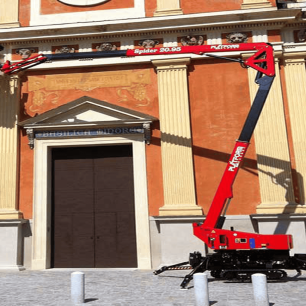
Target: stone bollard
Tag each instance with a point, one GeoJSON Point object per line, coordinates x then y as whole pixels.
{"type": "Point", "coordinates": [77, 288]}
{"type": "Point", "coordinates": [201, 289]}
{"type": "Point", "coordinates": [260, 289]}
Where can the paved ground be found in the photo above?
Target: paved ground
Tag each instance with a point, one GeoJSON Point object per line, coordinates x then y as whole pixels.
{"type": "Point", "coordinates": [133, 287]}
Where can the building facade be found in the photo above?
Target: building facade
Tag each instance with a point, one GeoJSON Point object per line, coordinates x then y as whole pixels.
{"type": "Point", "coordinates": [106, 162]}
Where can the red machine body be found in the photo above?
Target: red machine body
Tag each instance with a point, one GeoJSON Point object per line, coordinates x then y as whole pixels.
{"type": "Point", "coordinates": [221, 239]}
{"type": "Point", "coordinates": [236, 255]}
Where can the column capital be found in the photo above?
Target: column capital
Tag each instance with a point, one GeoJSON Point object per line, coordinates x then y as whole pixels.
{"type": "Point", "coordinates": [10, 17]}
{"type": "Point", "coordinates": [280, 208]}
{"type": "Point", "coordinates": [168, 7]}
{"type": "Point", "coordinates": [174, 63]}
{"type": "Point", "coordinates": [12, 214]}
{"type": "Point", "coordinates": [251, 4]}
{"type": "Point", "coordinates": [294, 58]}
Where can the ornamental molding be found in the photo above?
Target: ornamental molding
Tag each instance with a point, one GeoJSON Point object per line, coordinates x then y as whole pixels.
{"type": "Point", "coordinates": [82, 2]}
{"type": "Point", "coordinates": [25, 53]}
{"type": "Point", "coordinates": [237, 38]}
{"type": "Point", "coordinates": [65, 49]}
{"type": "Point", "coordinates": [295, 25]}
{"type": "Point", "coordinates": [192, 40]}
{"type": "Point", "coordinates": [187, 24]}
{"type": "Point", "coordinates": [148, 43]}
{"type": "Point", "coordinates": [76, 37]}
{"type": "Point", "coordinates": [106, 47]}
{"type": "Point", "coordinates": [87, 116]}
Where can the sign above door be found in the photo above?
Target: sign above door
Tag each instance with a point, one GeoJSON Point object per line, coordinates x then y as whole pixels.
{"type": "Point", "coordinates": [87, 117]}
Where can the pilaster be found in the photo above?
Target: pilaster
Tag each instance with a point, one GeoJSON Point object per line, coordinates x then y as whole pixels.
{"type": "Point", "coordinates": [9, 13]}
{"type": "Point", "coordinates": [296, 94]}
{"type": "Point", "coordinates": [9, 102]}
{"type": "Point", "coordinates": [251, 4]}
{"type": "Point", "coordinates": [168, 7]}
{"type": "Point", "coordinates": [274, 168]}
{"type": "Point", "coordinates": [176, 144]}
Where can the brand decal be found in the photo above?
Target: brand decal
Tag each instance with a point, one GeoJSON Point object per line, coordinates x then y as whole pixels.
{"type": "Point", "coordinates": [234, 163]}
{"type": "Point", "coordinates": [159, 50]}
{"type": "Point", "coordinates": [218, 47]}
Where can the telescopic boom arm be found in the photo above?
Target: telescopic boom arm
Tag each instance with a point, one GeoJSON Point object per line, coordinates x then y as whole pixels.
{"type": "Point", "coordinates": [262, 60]}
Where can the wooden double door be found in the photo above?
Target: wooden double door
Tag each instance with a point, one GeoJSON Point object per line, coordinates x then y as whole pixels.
{"type": "Point", "coordinates": [93, 214]}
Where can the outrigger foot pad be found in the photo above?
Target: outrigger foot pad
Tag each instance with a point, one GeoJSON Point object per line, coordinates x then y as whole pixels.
{"type": "Point", "coordinates": [179, 266]}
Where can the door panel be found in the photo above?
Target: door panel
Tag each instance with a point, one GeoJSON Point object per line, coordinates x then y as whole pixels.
{"type": "Point", "coordinates": [126, 240]}
{"type": "Point", "coordinates": [93, 207]}
{"type": "Point", "coordinates": [62, 246]}
{"type": "Point", "coordinates": [83, 240]}
{"type": "Point", "coordinates": [73, 198]}
{"type": "Point", "coordinates": [114, 171]}
{"type": "Point", "coordinates": [106, 240]}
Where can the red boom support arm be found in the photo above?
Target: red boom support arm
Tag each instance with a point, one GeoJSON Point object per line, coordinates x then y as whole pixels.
{"type": "Point", "coordinates": [262, 60]}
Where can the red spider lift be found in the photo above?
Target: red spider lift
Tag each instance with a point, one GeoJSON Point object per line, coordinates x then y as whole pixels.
{"type": "Point", "coordinates": [236, 255]}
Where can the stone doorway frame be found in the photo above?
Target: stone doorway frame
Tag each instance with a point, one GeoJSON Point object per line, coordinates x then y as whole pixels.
{"type": "Point", "coordinates": [41, 240]}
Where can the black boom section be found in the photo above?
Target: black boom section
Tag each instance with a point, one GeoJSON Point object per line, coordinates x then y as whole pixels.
{"type": "Point", "coordinates": [265, 84]}
{"type": "Point", "coordinates": [84, 55]}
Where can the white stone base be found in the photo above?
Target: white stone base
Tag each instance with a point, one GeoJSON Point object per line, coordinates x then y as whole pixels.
{"type": "Point", "coordinates": [11, 244]}
{"type": "Point", "coordinates": [172, 240]}
{"type": "Point", "coordinates": [292, 224]}
{"type": "Point", "coordinates": [13, 268]}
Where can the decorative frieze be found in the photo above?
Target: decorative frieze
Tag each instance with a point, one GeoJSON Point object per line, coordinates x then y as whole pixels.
{"type": "Point", "coordinates": [237, 38]}
{"type": "Point", "coordinates": [106, 47]}
{"type": "Point", "coordinates": [301, 35]}
{"type": "Point", "coordinates": [192, 40]}
{"type": "Point", "coordinates": [148, 43]}
{"type": "Point", "coordinates": [25, 53]}
{"type": "Point", "coordinates": [65, 49]}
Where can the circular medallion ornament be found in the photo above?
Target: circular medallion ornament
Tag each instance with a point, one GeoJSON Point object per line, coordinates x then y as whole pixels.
{"type": "Point", "coordinates": [83, 2]}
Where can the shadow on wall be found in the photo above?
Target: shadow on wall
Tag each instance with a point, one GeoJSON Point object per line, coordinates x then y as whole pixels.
{"type": "Point", "coordinates": [288, 178]}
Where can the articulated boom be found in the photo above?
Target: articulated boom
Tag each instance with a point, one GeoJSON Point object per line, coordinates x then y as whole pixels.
{"type": "Point", "coordinates": [236, 254]}
{"type": "Point", "coordinates": [262, 60]}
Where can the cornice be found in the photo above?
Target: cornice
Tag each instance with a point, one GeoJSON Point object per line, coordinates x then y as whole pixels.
{"type": "Point", "coordinates": [296, 24]}
{"type": "Point", "coordinates": [228, 20]}
{"type": "Point", "coordinates": [294, 51]}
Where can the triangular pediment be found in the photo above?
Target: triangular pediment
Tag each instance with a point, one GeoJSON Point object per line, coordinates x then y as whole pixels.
{"type": "Point", "coordinates": [87, 111]}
